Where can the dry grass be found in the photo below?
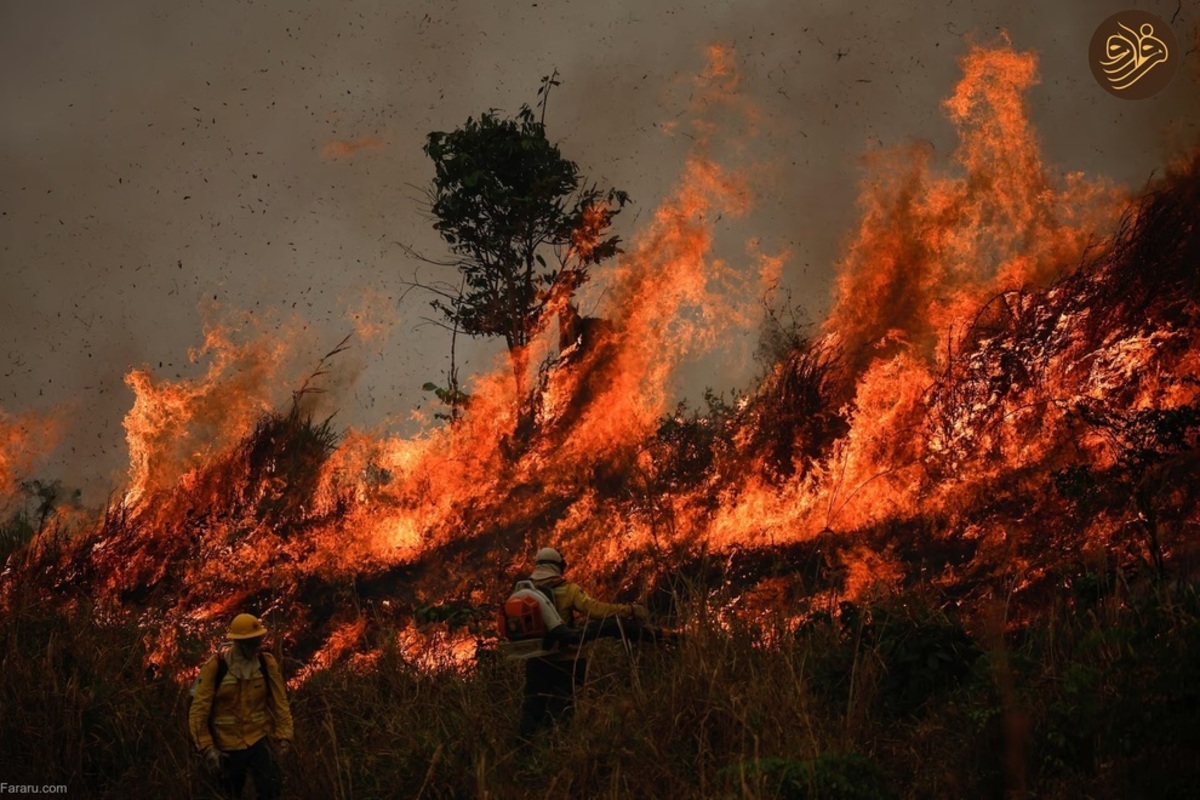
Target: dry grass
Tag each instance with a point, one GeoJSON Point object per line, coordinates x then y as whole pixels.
{"type": "Point", "coordinates": [744, 712]}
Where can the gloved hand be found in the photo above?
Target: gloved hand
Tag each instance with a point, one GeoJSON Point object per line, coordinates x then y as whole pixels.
{"type": "Point", "coordinates": [639, 612]}
{"type": "Point", "coordinates": [214, 759]}
{"type": "Point", "coordinates": [283, 747]}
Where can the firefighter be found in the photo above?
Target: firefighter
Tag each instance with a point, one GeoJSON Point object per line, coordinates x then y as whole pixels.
{"type": "Point", "coordinates": [240, 719]}
{"type": "Point", "coordinates": [551, 681]}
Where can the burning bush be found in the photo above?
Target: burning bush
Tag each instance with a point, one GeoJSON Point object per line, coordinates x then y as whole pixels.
{"type": "Point", "coordinates": [944, 548]}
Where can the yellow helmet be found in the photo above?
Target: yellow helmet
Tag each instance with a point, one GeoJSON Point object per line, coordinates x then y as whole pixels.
{"type": "Point", "coordinates": [245, 626]}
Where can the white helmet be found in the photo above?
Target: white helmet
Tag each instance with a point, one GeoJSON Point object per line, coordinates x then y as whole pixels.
{"type": "Point", "coordinates": [548, 555]}
{"type": "Point", "coordinates": [548, 563]}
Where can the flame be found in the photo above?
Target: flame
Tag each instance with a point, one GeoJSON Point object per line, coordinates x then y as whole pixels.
{"type": "Point", "coordinates": [372, 313]}
{"type": "Point", "coordinates": [932, 249]}
{"type": "Point", "coordinates": [175, 426]}
{"type": "Point", "coordinates": [23, 437]}
{"type": "Point", "coordinates": [341, 643]}
{"type": "Point", "coordinates": [344, 148]}
{"type": "Point", "coordinates": [974, 350]}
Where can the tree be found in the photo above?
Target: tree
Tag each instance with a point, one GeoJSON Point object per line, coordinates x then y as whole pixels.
{"type": "Point", "coordinates": [523, 224]}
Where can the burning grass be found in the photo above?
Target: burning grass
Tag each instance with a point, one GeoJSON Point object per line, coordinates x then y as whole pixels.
{"type": "Point", "coordinates": [1058, 416]}
{"type": "Point", "coordinates": [1006, 389]}
{"type": "Point", "coordinates": [897, 697]}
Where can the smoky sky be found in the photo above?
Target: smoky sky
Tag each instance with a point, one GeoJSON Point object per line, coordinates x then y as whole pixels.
{"type": "Point", "coordinates": [161, 158]}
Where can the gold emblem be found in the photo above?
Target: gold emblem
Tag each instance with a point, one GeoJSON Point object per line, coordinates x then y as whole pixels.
{"type": "Point", "coordinates": [1132, 54]}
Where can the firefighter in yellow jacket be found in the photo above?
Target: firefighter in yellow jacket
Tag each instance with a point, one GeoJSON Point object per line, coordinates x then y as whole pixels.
{"type": "Point", "coordinates": [551, 681]}
{"type": "Point", "coordinates": [240, 704]}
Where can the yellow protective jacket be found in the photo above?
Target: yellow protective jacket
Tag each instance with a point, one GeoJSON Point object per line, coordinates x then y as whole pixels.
{"type": "Point", "coordinates": [239, 712]}
{"type": "Point", "coordinates": [571, 600]}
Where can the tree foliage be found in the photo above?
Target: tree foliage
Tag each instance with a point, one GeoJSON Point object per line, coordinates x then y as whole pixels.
{"type": "Point", "coordinates": [522, 222]}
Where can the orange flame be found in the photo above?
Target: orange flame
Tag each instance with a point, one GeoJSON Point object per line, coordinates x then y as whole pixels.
{"type": "Point", "coordinates": [23, 438]}
{"type": "Point", "coordinates": [932, 249]}
{"type": "Point", "coordinates": [175, 426]}
{"type": "Point", "coordinates": [344, 148]}
{"type": "Point", "coordinates": [960, 371]}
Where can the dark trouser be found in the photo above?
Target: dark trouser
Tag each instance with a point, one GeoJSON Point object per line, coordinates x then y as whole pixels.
{"type": "Point", "coordinates": [550, 692]}
{"type": "Point", "coordinates": [256, 760]}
